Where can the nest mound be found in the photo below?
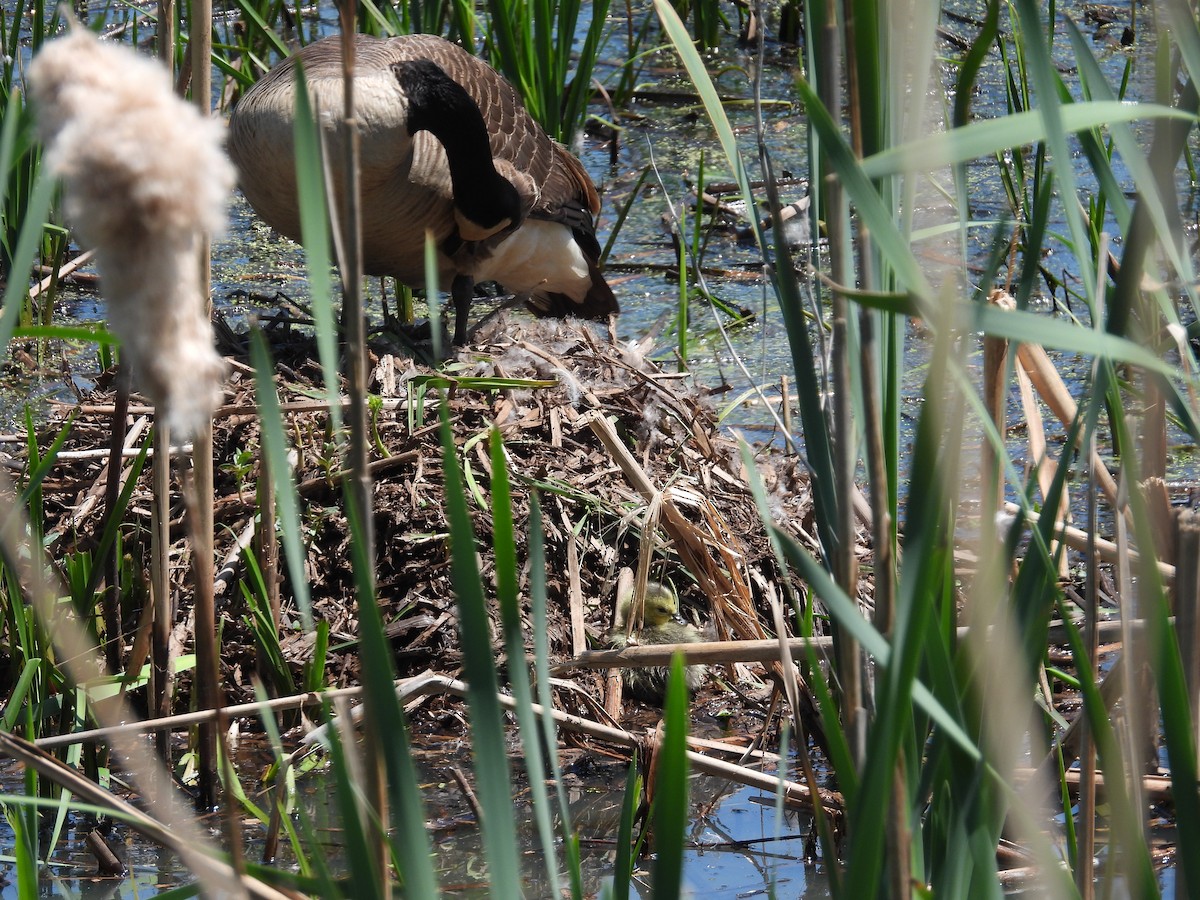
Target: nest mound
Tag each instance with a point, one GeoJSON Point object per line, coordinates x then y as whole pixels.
{"type": "Point", "coordinates": [626, 460]}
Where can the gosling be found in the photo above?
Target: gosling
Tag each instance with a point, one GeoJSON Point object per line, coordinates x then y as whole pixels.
{"type": "Point", "coordinates": [661, 624]}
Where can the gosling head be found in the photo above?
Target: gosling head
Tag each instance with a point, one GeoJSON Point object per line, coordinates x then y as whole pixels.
{"type": "Point", "coordinates": [661, 606]}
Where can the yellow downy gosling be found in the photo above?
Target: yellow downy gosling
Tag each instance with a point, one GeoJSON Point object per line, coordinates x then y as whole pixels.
{"type": "Point", "coordinates": [661, 624]}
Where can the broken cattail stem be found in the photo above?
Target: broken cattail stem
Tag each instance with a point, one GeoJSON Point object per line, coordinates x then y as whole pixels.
{"type": "Point", "coordinates": [1078, 539]}
{"type": "Point", "coordinates": [752, 651]}
{"type": "Point", "coordinates": [107, 863]}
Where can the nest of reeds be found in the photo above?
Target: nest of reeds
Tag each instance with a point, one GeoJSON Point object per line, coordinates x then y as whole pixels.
{"type": "Point", "coordinates": [627, 461]}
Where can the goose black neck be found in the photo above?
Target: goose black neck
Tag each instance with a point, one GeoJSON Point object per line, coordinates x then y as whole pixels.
{"type": "Point", "coordinates": [440, 105]}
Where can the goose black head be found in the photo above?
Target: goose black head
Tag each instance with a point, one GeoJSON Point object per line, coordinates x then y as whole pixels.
{"type": "Point", "coordinates": [440, 105]}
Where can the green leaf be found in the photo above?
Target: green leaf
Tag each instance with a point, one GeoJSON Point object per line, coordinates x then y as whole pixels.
{"type": "Point", "coordinates": [671, 788]}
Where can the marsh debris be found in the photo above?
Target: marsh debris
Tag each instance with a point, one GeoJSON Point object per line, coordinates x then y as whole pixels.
{"type": "Point", "coordinates": [542, 384]}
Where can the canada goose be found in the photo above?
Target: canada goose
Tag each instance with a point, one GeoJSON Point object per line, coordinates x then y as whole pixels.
{"type": "Point", "coordinates": [660, 625]}
{"type": "Point", "coordinates": [446, 146]}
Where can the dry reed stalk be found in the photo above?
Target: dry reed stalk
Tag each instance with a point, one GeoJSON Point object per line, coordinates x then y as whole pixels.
{"type": "Point", "coordinates": [1157, 787]}
{"type": "Point", "coordinates": [1078, 539]}
{"type": "Point", "coordinates": [187, 720]}
{"type": "Point", "coordinates": [166, 33]}
{"type": "Point", "coordinates": [1045, 466]}
{"type": "Point", "coordinates": [67, 268]}
{"type": "Point", "coordinates": [1161, 517]}
{"type": "Point", "coordinates": [208, 663]}
{"type": "Point", "coordinates": [1187, 608]}
{"type": "Point", "coordinates": [762, 651]}
{"type": "Point", "coordinates": [1054, 394]}
{"type": "Point", "coordinates": [574, 588]}
{"type": "Point", "coordinates": [613, 683]}
{"type": "Point", "coordinates": [1053, 391]}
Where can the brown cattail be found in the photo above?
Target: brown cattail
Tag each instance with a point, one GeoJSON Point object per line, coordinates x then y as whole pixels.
{"type": "Point", "coordinates": [145, 179]}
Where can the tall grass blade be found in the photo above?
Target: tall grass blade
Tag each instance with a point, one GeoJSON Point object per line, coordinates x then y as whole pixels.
{"type": "Point", "coordinates": [671, 788]}
{"type": "Point", "coordinates": [27, 248]}
{"type": "Point", "coordinates": [314, 228]}
{"type": "Point", "coordinates": [276, 455]}
{"type": "Point", "coordinates": [349, 796]}
{"type": "Point", "coordinates": [505, 554]}
{"type": "Point", "coordinates": [623, 858]}
{"type": "Point", "coordinates": [541, 656]}
{"type": "Point", "coordinates": [487, 725]}
{"type": "Point", "coordinates": [413, 852]}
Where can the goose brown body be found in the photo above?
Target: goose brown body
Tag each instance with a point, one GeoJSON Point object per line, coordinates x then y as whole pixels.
{"type": "Point", "coordinates": [504, 203]}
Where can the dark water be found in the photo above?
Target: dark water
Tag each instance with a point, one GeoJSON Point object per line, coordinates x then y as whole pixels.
{"type": "Point", "coordinates": [737, 847]}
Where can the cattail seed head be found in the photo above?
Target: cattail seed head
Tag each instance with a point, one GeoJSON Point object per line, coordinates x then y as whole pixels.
{"type": "Point", "coordinates": [144, 179]}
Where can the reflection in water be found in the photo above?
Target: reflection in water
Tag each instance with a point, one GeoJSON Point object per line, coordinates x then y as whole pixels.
{"type": "Point", "coordinates": [735, 847]}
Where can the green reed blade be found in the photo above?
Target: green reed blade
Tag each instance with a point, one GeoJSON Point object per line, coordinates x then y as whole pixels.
{"type": "Point", "coordinates": [261, 29]}
{"type": "Point", "coordinates": [314, 227]}
{"type": "Point", "coordinates": [413, 853]}
{"type": "Point", "coordinates": [507, 594]}
{"type": "Point", "coordinates": [276, 456]}
{"type": "Point", "coordinates": [623, 859]}
{"type": "Point", "coordinates": [365, 879]}
{"type": "Point", "coordinates": [671, 789]}
{"type": "Point", "coordinates": [487, 723]}
{"type": "Point", "coordinates": [545, 691]}
{"type": "Point", "coordinates": [27, 246]}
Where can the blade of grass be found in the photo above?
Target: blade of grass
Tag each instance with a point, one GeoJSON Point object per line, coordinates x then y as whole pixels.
{"type": "Point", "coordinates": [505, 555]}
{"type": "Point", "coordinates": [623, 860]}
{"type": "Point", "coordinates": [27, 247]}
{"type": "Point", "coordinates": [314, 228]}
{"type": "Point", "coordinates": [671, 789]}
{"type": "Point", "coordinates": [487, 725]}
{"type": "Point", "coordinates": [276, 455]}
{"type": "Point", "coordinates": [541, 656]}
